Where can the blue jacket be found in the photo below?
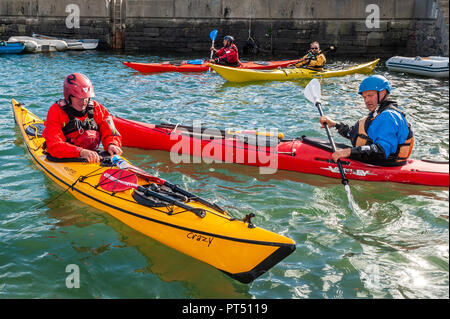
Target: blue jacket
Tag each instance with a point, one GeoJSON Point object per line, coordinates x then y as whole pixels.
{"type": "Point", "coordinates": [388, 129]}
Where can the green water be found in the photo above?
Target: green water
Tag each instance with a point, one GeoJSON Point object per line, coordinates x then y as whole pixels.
{"type": "Point", "coordinates": [398, 249]}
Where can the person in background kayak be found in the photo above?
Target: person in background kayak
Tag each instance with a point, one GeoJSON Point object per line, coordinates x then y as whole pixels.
{"type": "Point", "coordinates": [314, 59]}
{"type": "Point", "coordinates": [384, 137]}
{"type": "Point", "coordinates": [228, 55]}
{"type": "Point", "coordinates": [76, 124]}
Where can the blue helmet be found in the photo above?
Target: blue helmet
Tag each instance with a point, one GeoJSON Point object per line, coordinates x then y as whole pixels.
{"type": "Point", "coordinates": [375, 82]}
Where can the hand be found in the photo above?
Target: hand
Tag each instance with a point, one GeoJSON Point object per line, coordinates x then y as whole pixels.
{"type": "Point", "coordinates": [114, 150]}
{"type": "Point", "coordinates": [212, 49]}
{"type": "Point", "coordinates": [324, 119]}
{"type": "Point", "coordinates": [91, 156]}
{"type": "Point", "coordinates": [343, 153]}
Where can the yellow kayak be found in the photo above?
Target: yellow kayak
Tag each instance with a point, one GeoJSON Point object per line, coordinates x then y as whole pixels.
{"type": "Point", "coordinates": [239, 249]}
{"type": "Point", "coordinates": [245, 75]}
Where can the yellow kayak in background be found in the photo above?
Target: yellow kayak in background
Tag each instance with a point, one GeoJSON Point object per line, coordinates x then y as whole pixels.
{"type": "Point", "coordinates": [239, 249]}
{"type": "Point", "coordinates": [244, 75]}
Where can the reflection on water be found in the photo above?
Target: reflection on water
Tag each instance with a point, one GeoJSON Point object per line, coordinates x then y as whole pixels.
{"type": "Point", "coordinates": [167, 264]}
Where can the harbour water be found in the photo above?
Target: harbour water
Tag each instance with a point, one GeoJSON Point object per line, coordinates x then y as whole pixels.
{"type": "Point", "coordinates": [399, 247]}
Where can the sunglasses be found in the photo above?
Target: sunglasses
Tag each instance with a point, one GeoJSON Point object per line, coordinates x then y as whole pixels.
{"type": "Point", "coordinates": [314, 48]}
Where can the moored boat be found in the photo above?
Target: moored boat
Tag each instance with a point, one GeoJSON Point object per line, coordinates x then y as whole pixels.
{"type": "Point", "coordinates": [432, 66]}
{"type": "Point", "coordinates": [9, 47]}
{"type": "Point", "coordinates": [73, 44]}
{"type": "Point", "coordinates": [37, 45]}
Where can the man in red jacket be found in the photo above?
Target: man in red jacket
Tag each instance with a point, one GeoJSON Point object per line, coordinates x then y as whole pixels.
{"type": "Point", "coordinates": [76, 125]}
{"type": "Point", "coordinates": [228, 55]}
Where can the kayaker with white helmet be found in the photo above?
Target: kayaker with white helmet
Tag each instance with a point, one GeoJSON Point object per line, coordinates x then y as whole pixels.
{"type": "Point", "coordinates": [228, 55]}
{"type": "Point", "coordinates": [314, 58]}
{"type": "Point", "coordinates": [384, 137]}
{"type": "Point", "coordinates": [76, 125]}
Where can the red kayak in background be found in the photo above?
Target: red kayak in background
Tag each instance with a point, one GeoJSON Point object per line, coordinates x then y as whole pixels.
{"type": "Point", "coordinates": [305, 155]}
{"type": "Point", "coordinates": [202, 66]}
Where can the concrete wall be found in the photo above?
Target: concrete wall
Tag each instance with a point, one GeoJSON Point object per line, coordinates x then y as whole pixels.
{"type": "Point", "coordinates": [277, 27]}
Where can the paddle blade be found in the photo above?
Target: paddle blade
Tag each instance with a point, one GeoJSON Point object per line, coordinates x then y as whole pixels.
{"type": "Point", "coordinates": [312, 91]}
{"type": "Point", "coordinates": [213, 35]}
{"type": "Point", "coordinates": [331, 49]}
{"type": "Point", "coordinates": [117, 180]}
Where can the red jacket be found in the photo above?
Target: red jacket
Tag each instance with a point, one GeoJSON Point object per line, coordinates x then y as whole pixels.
{"type": "Point", "coordinates": [229, 55]}
{"type": "Point", "coordinates": [57, 143]}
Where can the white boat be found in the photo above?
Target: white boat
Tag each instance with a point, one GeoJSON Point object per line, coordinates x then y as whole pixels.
{"type": "Point", "coordinates": [434, 66]}
{"type": "Point", "coordinates": [38, 45]}
{"type": "Point", "coordinates": [73, 44]}
{"type": "Point", "coordinates": [89, 44]}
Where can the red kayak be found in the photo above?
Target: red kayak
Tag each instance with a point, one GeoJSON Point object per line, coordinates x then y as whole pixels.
{"type": "Point", "coordinates": [202, 66]}
{"type": "Point", "coordinates": [305, 155]}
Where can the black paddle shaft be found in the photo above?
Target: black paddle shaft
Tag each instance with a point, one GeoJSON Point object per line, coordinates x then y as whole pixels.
{"type": "Point", "coordinates": [178, 189]}
{"type": "Point", "coordinates": [333, 146]}
{"type": "Point", "coordinates": [329, 49]}
{"type": "Point", "coordinates": [197, 211]}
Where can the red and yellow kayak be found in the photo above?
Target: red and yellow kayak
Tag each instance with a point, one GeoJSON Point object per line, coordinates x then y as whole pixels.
{"type": "Point", "coordinates": [305, 155]}
{"type": "Point", "coordinates": [185, 66]}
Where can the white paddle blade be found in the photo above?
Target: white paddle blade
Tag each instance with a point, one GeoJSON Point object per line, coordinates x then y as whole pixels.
{"type": "Point", "coordinates": [312, 91]}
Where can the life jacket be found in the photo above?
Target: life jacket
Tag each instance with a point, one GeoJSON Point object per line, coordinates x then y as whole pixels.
{"type": "Point", "coordinates": [310, 56]}
{"type": "Point", "coordinates": [86, 133]}
{"type": "Point", "coordinates": [404, 150]}
{"type": "Point", "coordinates": [317, 67]}
{"type": "Point", "coordinates": [229, 55]}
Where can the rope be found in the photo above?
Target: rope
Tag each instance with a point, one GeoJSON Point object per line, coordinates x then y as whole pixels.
{"type": "Point", "coordinates": [57, 196]}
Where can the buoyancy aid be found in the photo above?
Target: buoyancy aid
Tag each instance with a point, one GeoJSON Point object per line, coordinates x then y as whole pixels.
{"type": "Point", "coordinates": [318, 64]}
{"type": "Point", "coordinates": [86, 133]}
{"type": "Point", "coordinates": [313, 61]}
{"type": "Point", "coordinates": [404, 150]}
{"type": "Point", "coordinates": [228, 55]}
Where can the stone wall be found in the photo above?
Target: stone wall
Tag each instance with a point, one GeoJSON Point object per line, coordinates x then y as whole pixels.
{"type": "Point", "coordinates": [442, 27]}
{"type": "Point", "coordinates": [282, 27]}
{"type": "Point", "coordinates": [277, 27]}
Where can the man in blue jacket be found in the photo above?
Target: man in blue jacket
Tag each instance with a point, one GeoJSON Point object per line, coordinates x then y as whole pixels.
{"type": "Point", "coordinates": [384, 137]}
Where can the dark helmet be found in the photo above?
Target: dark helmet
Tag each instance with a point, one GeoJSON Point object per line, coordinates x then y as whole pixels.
{"type": "Point", "coordinates": [229, 38]}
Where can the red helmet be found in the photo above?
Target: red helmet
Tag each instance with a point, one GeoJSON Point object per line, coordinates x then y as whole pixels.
{"type": "Point", "coordinates": [79, 86]}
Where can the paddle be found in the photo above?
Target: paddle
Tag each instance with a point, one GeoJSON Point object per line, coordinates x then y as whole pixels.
{"type": "Point", "coordinates": [223, 133]}
{"type": "Point", "coordinates": [173, 187]}
{"type": "Point", "coordinates": [313, 94]}
{"type": "Point", "coordinates": [119, 180]}
{"type": "Point", "coordinates": [212, 36]}
{"type": "Point", "coordinates": [332, 48]}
